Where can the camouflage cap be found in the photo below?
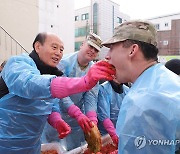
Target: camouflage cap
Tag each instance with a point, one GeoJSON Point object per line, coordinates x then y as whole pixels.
{"type": "Point", "coordinates": [95, 41]}
{"type": "Point", "coordinates": [134, 30]}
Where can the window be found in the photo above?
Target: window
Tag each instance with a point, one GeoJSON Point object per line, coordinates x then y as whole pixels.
{"type": "Point", "coordinates": [119, 20]}
{"type": "Point", "coordinates": [156, 26]}
{"type": "Point", "coordinates": [85, 16]}
{"type": "Point", "coordinates": [76, 18]}
{"type": "Point", "coordinates": [166, 24]}
{"type": "Point", "coordinates": [77, 46]}
{"type": "Point", "coordinates": [165, 42]}
{"type": "Point", "coordinates": [83, 31]}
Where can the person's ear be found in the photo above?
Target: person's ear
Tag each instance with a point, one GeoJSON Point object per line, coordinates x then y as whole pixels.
{"type": "Point", "coordinates": [133, 50]}
{"type": "Point", "coordinates": [37, 46]}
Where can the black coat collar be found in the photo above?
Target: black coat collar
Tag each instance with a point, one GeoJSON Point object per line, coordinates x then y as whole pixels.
{"type": "Point", "coordinates": [117, 87]}
{"type": "Point", "coordinates": [42, 67]}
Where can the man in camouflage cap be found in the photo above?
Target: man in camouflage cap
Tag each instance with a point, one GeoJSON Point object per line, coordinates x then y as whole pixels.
{"type": "Point", "coordinates": [150, 110]}
{"type": "Point", "coordinates": [94, 41]}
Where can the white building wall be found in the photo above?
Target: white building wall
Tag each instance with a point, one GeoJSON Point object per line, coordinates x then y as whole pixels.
{"type": "Point", "coordinates": [108, 13]}
{"type": "Point", "coordinates": [81, 11]}
{"type": "Point", "coordinates": [82, 23]}
{"type": "Point", "coordinates": [23, 20]}
{"type": "Point", "coordinates": [20, 20]}
{"type": "Point", "coordinates": [108, 17]}
{"type": "Point", "coordinates": [57, 16]}
{"type": "Point", "coordinates": [107, 21]}
{"type": "Point", "coordinates": [164, 20]}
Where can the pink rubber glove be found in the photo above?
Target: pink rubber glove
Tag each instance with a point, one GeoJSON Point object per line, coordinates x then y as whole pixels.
{"type": "Point", "coordinates": [55, 120]}
{"type": "Point", "coordinates": [100, 70]}
{"type": "Point", "coordinates": [82, 120]}
{"type": "Point", "coordinates": [92, 115]}
{"type": "Point", "coordinates": [63, 86]}
{"type": "Point", "coordinates": [109, 126]}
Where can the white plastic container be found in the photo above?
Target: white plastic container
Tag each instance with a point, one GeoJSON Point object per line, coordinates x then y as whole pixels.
{"type": "Point", "coordinates": [80, 150]}
{"type": "Point", "coordinates": [51, 146]}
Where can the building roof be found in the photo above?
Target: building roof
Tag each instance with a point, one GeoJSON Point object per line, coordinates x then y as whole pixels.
{"type": "Point", "coordinates": [168, 15]}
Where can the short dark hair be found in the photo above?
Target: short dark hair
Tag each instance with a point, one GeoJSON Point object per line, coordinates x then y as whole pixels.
{"type": "Point", "coordinates": [149, 51]}
{"type": "Point", "coordinates": [41, 37]}
{"type": "Point", "coordinates": [173, 65]}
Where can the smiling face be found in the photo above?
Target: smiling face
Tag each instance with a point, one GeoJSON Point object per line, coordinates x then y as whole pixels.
{"type": "Point", "coordinates": [51, 51]}
{"type": "Point", "coordinates": [88, 52]}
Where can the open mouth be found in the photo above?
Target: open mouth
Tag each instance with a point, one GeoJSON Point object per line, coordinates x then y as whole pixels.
{"type": "Point", "coordinates": [55, 60]}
